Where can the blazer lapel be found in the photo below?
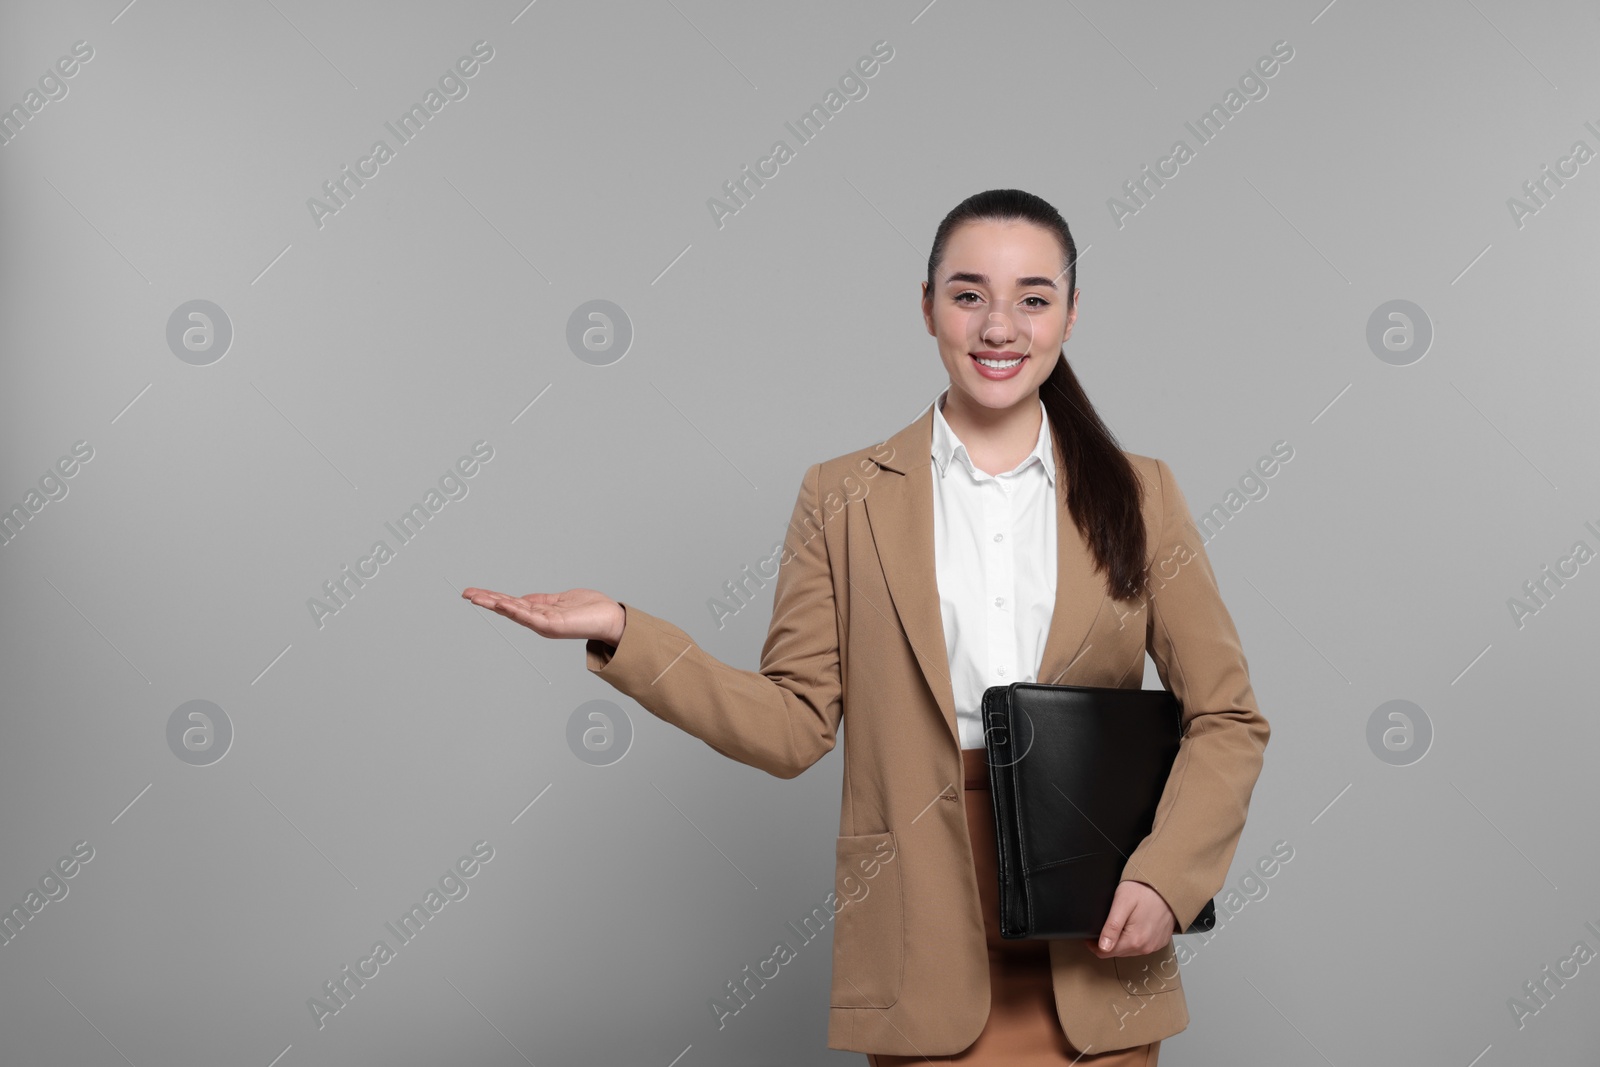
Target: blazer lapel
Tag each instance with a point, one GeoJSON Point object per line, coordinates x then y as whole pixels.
{"type": "Point", "coordinates": [900, 515]}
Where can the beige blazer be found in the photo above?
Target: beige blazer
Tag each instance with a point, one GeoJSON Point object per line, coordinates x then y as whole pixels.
{"type": "Point", "coordinates": [856, 635]}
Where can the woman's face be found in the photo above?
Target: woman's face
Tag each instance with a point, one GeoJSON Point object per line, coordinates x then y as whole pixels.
{"type": "Point", "coordinates": [1000, 293]}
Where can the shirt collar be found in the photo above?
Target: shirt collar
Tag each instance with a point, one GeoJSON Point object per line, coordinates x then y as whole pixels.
{"type": "Point", "coordinates": [947, 446]}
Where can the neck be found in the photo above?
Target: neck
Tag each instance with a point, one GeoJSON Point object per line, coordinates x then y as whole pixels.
{"type": "Point", "coordinates": [997, 439]}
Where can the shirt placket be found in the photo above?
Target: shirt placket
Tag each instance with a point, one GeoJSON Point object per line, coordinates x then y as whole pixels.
{"type": "Point", "coordinates": [999, 580]}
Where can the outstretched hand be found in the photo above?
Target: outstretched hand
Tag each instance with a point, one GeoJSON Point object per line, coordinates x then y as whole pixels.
{"type": "Point", "coordinates": [582, 614]}
{"type": "Point", "coordinates": [1140, 922]}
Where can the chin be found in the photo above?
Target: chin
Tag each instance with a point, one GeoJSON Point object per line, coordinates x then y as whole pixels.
{"type": "Point", "coordinates": [1001, 394]}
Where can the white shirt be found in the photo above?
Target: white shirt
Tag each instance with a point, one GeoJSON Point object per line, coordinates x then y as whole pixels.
{"type": "Point", "coordinates": [994, 543]}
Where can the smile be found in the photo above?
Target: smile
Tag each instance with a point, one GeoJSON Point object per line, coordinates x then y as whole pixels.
{"type": "Point", "coordinates": [998, 369]}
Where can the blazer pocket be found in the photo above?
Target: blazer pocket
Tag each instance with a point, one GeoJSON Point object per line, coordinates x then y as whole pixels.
{"type": "Point", "coordinates": [1150, 973]}
{"type": "Point", "coordinates": [869, 924]}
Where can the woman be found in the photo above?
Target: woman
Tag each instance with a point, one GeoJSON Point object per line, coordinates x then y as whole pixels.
{"type": "Point", "coordinates": [1001, 537]}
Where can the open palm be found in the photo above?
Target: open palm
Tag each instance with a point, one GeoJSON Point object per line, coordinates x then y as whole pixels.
{"type": "Point", "coordinates": [575, 613]}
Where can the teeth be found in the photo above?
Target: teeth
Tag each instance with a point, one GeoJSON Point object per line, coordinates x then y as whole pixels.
{"type": "Point", "coordinates": [998, 364]}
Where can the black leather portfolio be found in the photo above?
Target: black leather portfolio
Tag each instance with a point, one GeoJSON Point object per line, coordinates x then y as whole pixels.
{"type": "Point", "coordinates": [1075, 773]}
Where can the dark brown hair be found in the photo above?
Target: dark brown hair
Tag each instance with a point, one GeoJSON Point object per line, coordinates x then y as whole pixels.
{"type": "Point", "coordinates": [1102, 488]}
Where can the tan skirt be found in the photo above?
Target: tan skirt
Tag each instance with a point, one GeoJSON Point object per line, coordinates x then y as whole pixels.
{"type": "Point", "coordinates": [1023, 1029]}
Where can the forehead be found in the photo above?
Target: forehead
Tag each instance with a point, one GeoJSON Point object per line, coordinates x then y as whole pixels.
{"type": "Point", "coordinates": [1002, 249]}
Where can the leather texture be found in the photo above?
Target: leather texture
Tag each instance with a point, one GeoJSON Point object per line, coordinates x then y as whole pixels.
{"type": "Point", "coordinates": [1076, 773]}
{"type": "Point", "coordinates": [856, 643]}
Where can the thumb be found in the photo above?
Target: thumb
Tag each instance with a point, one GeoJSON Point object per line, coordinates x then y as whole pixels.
{"type": "Point", "coordinates": [1121, 908]}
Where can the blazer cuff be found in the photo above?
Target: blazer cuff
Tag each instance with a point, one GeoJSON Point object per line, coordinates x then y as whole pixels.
{"type": "Point", "coordinates": [628, 665]}
{"type": "Point", "coordinates": [1183, 895]}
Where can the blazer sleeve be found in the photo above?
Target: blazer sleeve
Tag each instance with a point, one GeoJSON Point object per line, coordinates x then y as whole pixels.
{"type": "Point", "coordinates": [781, 718]}
{"type": "Point", "coordinates": [1196, 649]}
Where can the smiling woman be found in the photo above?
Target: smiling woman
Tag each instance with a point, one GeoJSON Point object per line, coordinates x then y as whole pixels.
{"type": "Point", "coordinates": [1005, 538]}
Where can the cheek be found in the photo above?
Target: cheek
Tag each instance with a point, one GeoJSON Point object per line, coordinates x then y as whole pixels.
{"type": "Point", "coordinates": [1047, 336]}
{"type": "Point", "coordinates": [950, 324]}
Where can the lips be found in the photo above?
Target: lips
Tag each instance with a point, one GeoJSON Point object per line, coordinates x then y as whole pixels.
{"type": "Point", "coordinates": [998, 374]}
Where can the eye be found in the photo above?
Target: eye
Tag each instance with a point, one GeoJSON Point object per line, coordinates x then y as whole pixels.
{"type": "Point", "coordinates": [970, 293]}
{"type": "Point", "coordinates": [1043, 303]}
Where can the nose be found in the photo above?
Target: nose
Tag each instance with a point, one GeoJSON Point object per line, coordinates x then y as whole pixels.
{"type": "Point", "coordinates": [996, 330]}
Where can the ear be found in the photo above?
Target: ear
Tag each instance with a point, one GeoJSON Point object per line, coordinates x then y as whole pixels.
{"type": "Point", "coordinates": [927, 310]}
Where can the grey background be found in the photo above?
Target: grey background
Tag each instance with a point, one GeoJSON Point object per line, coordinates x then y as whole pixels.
{"type": "Point", "coordinates": [368, 355]}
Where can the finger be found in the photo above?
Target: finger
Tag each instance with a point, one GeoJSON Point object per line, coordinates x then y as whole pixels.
{"type": "Point", "coordinates": [1121, 908]}
{"type": "Point", "coordinates": [486, 599]}
{"type": "Point", "coordinates": [513, 608]}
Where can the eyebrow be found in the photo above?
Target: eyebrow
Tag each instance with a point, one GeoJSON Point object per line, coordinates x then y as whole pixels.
{"type": "Point", "coordinates": [983, 279]}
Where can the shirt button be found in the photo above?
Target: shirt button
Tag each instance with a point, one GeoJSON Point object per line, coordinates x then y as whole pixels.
{"type": "Point", "coordinates": [999, 537]}
{"type": "Point", "coordinates": [999, 601]}
{"type": "Point", "coordinates": [1001, 670]}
